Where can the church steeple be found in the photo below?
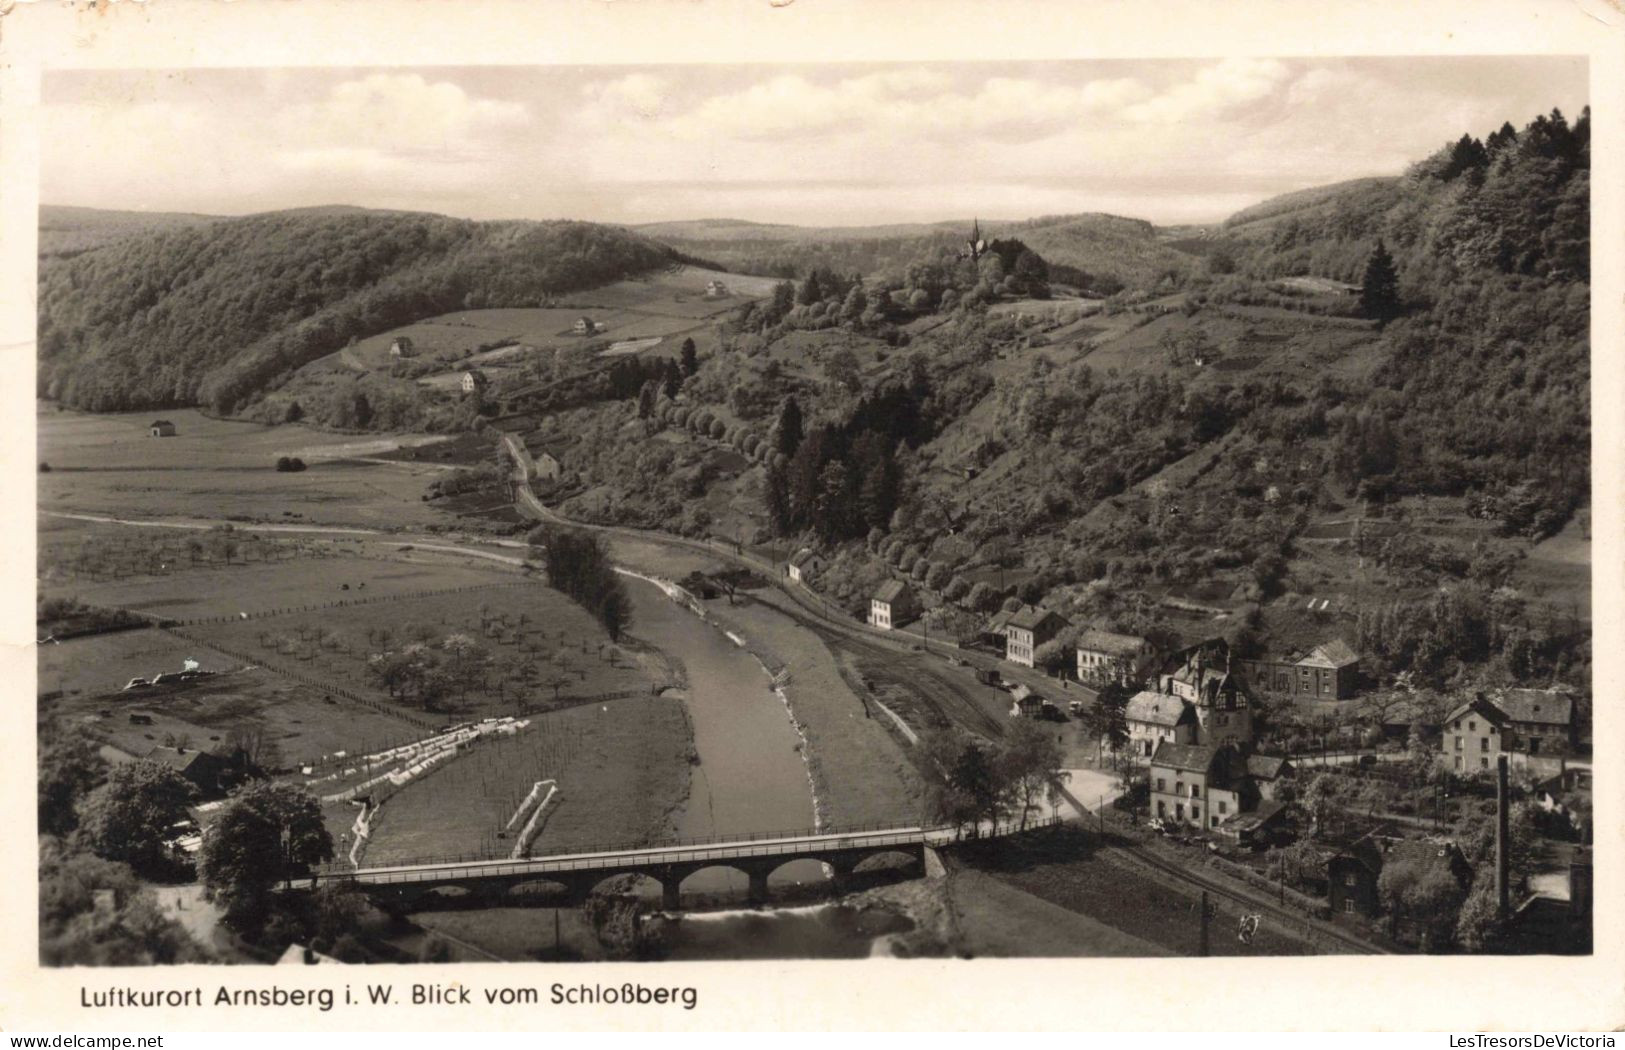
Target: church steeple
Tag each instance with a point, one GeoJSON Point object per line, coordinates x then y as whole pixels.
{"type": "Point", "coordinates": [976, 245]}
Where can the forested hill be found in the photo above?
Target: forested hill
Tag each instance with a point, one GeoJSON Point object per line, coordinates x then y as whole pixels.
{"type": "Point", "coordinates": [217, 313]}
{"type": "Point", "coordinates": [1487, 384]}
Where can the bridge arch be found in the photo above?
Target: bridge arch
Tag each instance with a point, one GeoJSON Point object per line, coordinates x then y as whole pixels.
{"type": "Point", "coordinates": [887, 860]}
{"type": "Point", "coordinates": [540, 889]}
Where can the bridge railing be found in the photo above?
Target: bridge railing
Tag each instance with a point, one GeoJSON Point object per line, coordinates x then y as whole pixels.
{"type": "Point", "coordinates": [542, 867]}
{"type": "Point", "coordinates": [479, 856]}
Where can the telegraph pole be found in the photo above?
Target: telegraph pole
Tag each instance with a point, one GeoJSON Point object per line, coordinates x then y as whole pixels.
{"type": "Point", "coordinates": [1202, 949]}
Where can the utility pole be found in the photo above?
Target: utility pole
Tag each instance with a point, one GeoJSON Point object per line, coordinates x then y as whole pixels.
{"type": "Point", "coordinates": [1202, 949]}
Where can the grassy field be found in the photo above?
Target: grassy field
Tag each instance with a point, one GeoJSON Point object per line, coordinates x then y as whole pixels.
{"type": "Point", "coordinates": [219, 469]}
{"type": "Point", "coordinates": [659, 306]}
{"type": "Point", "coordinates": [291, 717]}
{"type": "Point", "coordinates": [535, 643]}
{"type": "Point", "coordinates": [622, 769]}
{"type": "Point", "coordinates": [324, 573]}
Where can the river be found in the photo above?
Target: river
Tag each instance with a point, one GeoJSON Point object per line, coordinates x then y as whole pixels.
{"type": "Point", "coordinates": [751, 776]}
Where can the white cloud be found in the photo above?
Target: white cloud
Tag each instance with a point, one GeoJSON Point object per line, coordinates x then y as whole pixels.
{"type": "Point", "coordinates": [392, 114]}
{"type": "Point", "coordinates": [1214, 90]}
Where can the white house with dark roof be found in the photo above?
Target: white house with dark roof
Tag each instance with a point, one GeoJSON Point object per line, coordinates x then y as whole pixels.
{"type": "Point", "coordinates": [1533, 727]}
{"type": "Point", "coordinates": [1107, 657]}
{"type": "Point", "coordinates": [893, 605]}
{"type": "Point", "coordinates": [804, 564]}
{"type": "Point", "coordinates": [1155, 718]}
{"type": "Point", "coordinates": [474, 381]}
{"type": "Point", "coordinates": [1027, 628]}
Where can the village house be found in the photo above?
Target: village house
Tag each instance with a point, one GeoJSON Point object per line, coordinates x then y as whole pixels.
{"type": "Point", "coordinates": [1268, 772]}
{"type": "Point", "coordinates": [1327, 672]}
{"type": "Point", "coordinates": [715, 289]}
{"type": "Point", "coordinates": [1202, 675]}
{"type": "Point", "coordinates": [161, 428]}
{"type": "Point", "coordinates": [1199, 785]}
{"type": "Point", "coordinates": [402, 347]}
{"type": "Point", "coordinates": [1106, 657]}
{"type": "Point", "coordinates": [1257, 827]}
{"type": "Point", "coordinates": [1027, 629]}
{"type": "Point", "coordinates": [1534, 727]}
{"type": "Point", "coordinates": [893, 605]}
{"type": "Point", "coordinates": [1026, 703]}
{"type": "Point", "coordinates": [474, 381]}
{"type": "Point", "coordinates": [584, 326]}
{"type": "Point", "coordinates": [1155, 718]}
{"type": "Point", "coordinates": [209, 773]}
{"type": "Point", "coordinates": [1351, 879]}
{"type": "Point", "coordinates": [545, 466]}
{"type": "Point", "coordinates": [804, 564]}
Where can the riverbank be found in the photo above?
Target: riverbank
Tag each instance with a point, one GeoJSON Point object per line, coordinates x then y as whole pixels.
{"type": "Point", "coordinates": [859, 771]}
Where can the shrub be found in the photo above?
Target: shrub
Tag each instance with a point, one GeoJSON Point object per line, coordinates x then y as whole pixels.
{"type": "Point", "coordinates": [957, 588]}
{"type": "Point", "coordinates": [44, 467]}
{"type": "Point", "coordinates": [983, 598]}
{"type": "Point", "coordinates": [938, 576]}
{"type": "Point", "coordinates": [288, 464]}
{"type": "Point", "coordinates": [719, 429]}
{"type": "Point", "coordinates": [921, 569]}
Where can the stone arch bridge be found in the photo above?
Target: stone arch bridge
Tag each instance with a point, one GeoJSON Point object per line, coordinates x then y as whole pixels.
{"type": "Point", "coordinates": [575, 875]}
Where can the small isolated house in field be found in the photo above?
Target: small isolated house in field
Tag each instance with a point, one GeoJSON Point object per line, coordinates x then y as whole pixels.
{"type": "Point", "coordinates": [893, 605]}
{"type": "Point", "coordinates": [210, 774]}
{"type": "Point", "coordinates": [161, 428]}
{"type": "Point", "coordinates": [402, 347]}
{"type": "Point", "coordinates": [1157, 717]}
{"type": "Point", "coordinates": [1106, 657]}
{"type": "Point", "coordinates": [584, 326]}
{"type": "Point", "coordinates": [715, 290]}
{"type": "Point", "coordinates": [1027, 629]}
{"type": "Point", "coordinates": [804, 565]}
{"type": "Point", "coordinates": [545, 466]}
{"type": "Point", "coordinates": [474, 381]}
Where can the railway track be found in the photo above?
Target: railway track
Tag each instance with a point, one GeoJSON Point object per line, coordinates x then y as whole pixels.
{"type": "Point", "coordinates": [1259, 902]}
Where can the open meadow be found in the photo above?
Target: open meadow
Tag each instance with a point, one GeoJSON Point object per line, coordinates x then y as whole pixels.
{"type": "Point", "coordinates": [620, 769]}
{"type": "Point", "coordinates": [109, 464]}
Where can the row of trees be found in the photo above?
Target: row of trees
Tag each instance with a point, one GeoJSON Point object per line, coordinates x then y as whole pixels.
{"type": "Point", "coordinates": [579, 566]}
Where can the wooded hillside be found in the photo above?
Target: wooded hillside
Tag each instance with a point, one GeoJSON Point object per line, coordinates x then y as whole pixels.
{"type": "Point", "coordinates": [218, 313]}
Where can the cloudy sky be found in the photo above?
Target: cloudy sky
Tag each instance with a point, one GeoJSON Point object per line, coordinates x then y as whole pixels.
{"type": "Point", "coordinates": [1170, 141]}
